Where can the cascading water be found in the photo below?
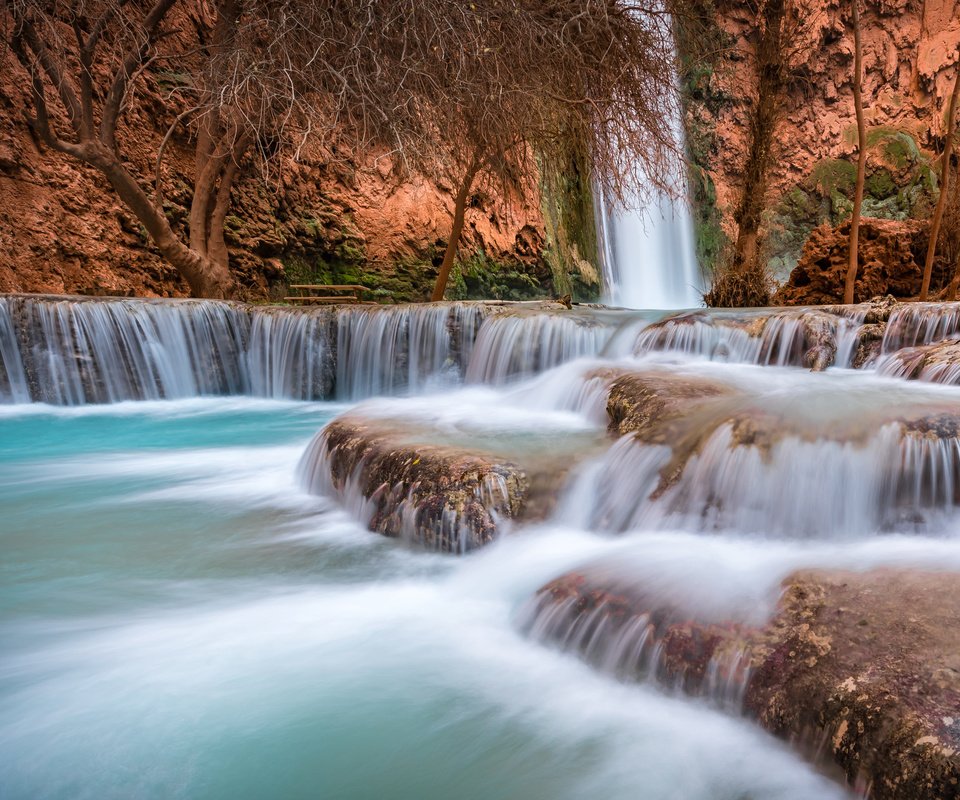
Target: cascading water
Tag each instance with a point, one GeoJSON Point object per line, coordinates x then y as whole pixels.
{"type": "Point", "coordinates": [648, 254]}
{"type": "Point", "coordinates": [194, 605]}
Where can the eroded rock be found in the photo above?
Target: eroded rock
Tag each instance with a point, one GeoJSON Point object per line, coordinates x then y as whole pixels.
{"type": "Point", "coordinates": [442, 497]}
{"type": "Point", "coordinates": [891, 255]}
{"type": "Point", "coordinates": [868, 663]}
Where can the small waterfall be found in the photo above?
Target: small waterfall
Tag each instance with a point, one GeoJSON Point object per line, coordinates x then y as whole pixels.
{"type": "Point", "coordinates": [290, 354]}
{"type": "Point", "coordinates": [915, 324]}
{"type": "Point", "coordinates": [932, 363]}
{"type": "Point", "coordinates": [599, 615]}
{"type": "Point", "coordinates": [108, 351]}
{"type": "Point", "coordinates": [511, 346]}
{"type": "Point", "coordinates": [903, 474]}
{"type": "Point", "coordinates": [784, 338]}
{"type": "Point", "coordinates": [405, 349]}
{"type": "Point", "coordinates": [13, 378]}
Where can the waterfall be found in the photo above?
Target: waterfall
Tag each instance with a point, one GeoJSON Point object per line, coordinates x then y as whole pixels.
{"type": "Point", "coordinates": [648, 253]}
{"type": "Point", "coordinates": [388, 350]}
{"type": "Point", "coordinates": [647, 244]}
{"type": "Point", "coordinates": [518, 346]}
{"type": "Point", "coordinates": [104, 352]}
{"type": "Point", "coordinates": [13, 378]}
{"type": "Point", "coordinates": [289, 353]}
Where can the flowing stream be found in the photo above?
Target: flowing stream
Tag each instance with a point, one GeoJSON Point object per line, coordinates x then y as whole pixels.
{"type": "Point", "coordinates": [181, 617]}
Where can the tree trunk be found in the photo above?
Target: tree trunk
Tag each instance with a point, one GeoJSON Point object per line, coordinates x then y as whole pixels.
{"type": "Point", "coordinates": [771, 72]}
{"type": "Point", "coordinates": [459, 213]}
{"type": "Point", "coordinates": [851, 280]}
{"type": "Point", "coordinates": [944, 187]}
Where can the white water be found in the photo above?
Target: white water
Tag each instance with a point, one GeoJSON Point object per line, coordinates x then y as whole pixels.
{"type": "Point", "coordinates": [181, 619]}
{"type": "Point", "coordinates": [648, 254]}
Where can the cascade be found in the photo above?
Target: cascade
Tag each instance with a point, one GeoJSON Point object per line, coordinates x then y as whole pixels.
{"type": "Point", "coordinates": [644, 491]}
{"type": "Point", "coordinates": [512, 346]}
{"type": "Point", "coordinates": [289, 353]}
{"type": "Point", "coordinates": [409, 348]}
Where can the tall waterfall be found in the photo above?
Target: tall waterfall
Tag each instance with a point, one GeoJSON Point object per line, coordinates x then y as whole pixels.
{"type": "Point", "coordinates": [647, 245]}
{"type": "Point", "coordinates": [648, 254]}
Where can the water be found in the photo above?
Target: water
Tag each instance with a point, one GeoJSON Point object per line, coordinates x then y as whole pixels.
{"type": "Point", "coordinates": [180, 620]}
{"type": "Point", "coordinates": [184, 616]}
{"type": "Point", "coordinates": [648, 254]}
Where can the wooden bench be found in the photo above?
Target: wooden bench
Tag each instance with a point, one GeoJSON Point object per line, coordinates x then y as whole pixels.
{"type": "Point", "coordinates": [329, 293]}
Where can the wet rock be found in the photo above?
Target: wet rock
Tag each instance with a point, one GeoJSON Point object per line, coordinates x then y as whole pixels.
{"type": "Point", "coordinates": [936, 363]}
{"type": "Point", "coordinates": [869, 344]}
{"type": "Point", "coordinates": [442, 497]}
{"type": "Point", "coordinates": [860, 659]}
{"type": "Point", "coordinates": [861, 669]}
{"type": "Point", "coordinates": [646, 403]}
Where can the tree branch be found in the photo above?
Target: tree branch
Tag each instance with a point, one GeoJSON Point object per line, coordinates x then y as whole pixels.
{"type": "Point", "coordinates": [118, 90]}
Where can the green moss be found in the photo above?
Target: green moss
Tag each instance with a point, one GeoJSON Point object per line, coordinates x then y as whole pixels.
{"type": "Point", "coordinates": [480, 277]}
{"type": "Point", "coordinates": [701, 45]}
{"type": "Point", "coordinates": [880, 184]}
{"type": "Point", "coordinates": [832, 175]}
{"type": "Point", "coordinates": [799, 211]}
{"type": "Point", "coordinates": [898, 148]}
{"type": "Point", "coordinates": [709, 238]}
{"type": "Point", "coordinates": [571, 251]}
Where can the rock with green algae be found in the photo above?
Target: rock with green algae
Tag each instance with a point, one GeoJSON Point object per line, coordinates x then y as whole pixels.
{"type": "Point", "coordinates": [445, 498]}
{"type": "Point", "coordinates": [861, 670]}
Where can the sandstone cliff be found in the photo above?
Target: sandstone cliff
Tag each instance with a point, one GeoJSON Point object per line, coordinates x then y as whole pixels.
{"type": "Point", "coordinates": [63, 230]}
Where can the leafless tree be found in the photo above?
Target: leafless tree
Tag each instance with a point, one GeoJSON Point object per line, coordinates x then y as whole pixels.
{"type": "Point", "coordinates": [951, 121]}
{"type": "Point", "coordinates": [851, 277]}
{"type": "Point", "coordinates": [459, 91]}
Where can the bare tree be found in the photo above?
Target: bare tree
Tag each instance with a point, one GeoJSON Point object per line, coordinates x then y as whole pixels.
{"type": "Point", "coordinates": [942, 199]}
{"type": "Point", "coordinates": [249, 64]}
{"type": "Point", "coordinates": [489, 91]}
{"type": "Point", "coordinates": [851, 278]}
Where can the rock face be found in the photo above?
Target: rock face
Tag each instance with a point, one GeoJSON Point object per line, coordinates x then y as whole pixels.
{"type": "Point", "coordinates": [867, 663]}
{"type": "Point", "coordinates": [891, 259]}
{"type": "Point", "coordinates": [909, 50]}
{"type": "Point", "coordinates": [444, 498]}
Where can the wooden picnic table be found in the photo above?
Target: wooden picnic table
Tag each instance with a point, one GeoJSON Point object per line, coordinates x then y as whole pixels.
{"type": "Point", "coordinates": [330, 293]}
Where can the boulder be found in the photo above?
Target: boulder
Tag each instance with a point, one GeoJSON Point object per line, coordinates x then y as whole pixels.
{"type": "Point", "coordinates": [445, 498]}
{"type": "Point", "coordinates": [861, 669]}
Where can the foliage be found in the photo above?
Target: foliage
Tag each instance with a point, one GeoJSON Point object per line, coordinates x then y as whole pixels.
{"type": "Point", "coordinates": [481, 277]}
{"type": "Point", "coordinates": [737, 287]}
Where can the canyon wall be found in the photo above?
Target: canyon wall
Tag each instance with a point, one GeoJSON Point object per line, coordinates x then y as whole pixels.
{"type": "Point", "coordinates": [63, 230]}
{"type": "Point", "coordinates": [909, 48]}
